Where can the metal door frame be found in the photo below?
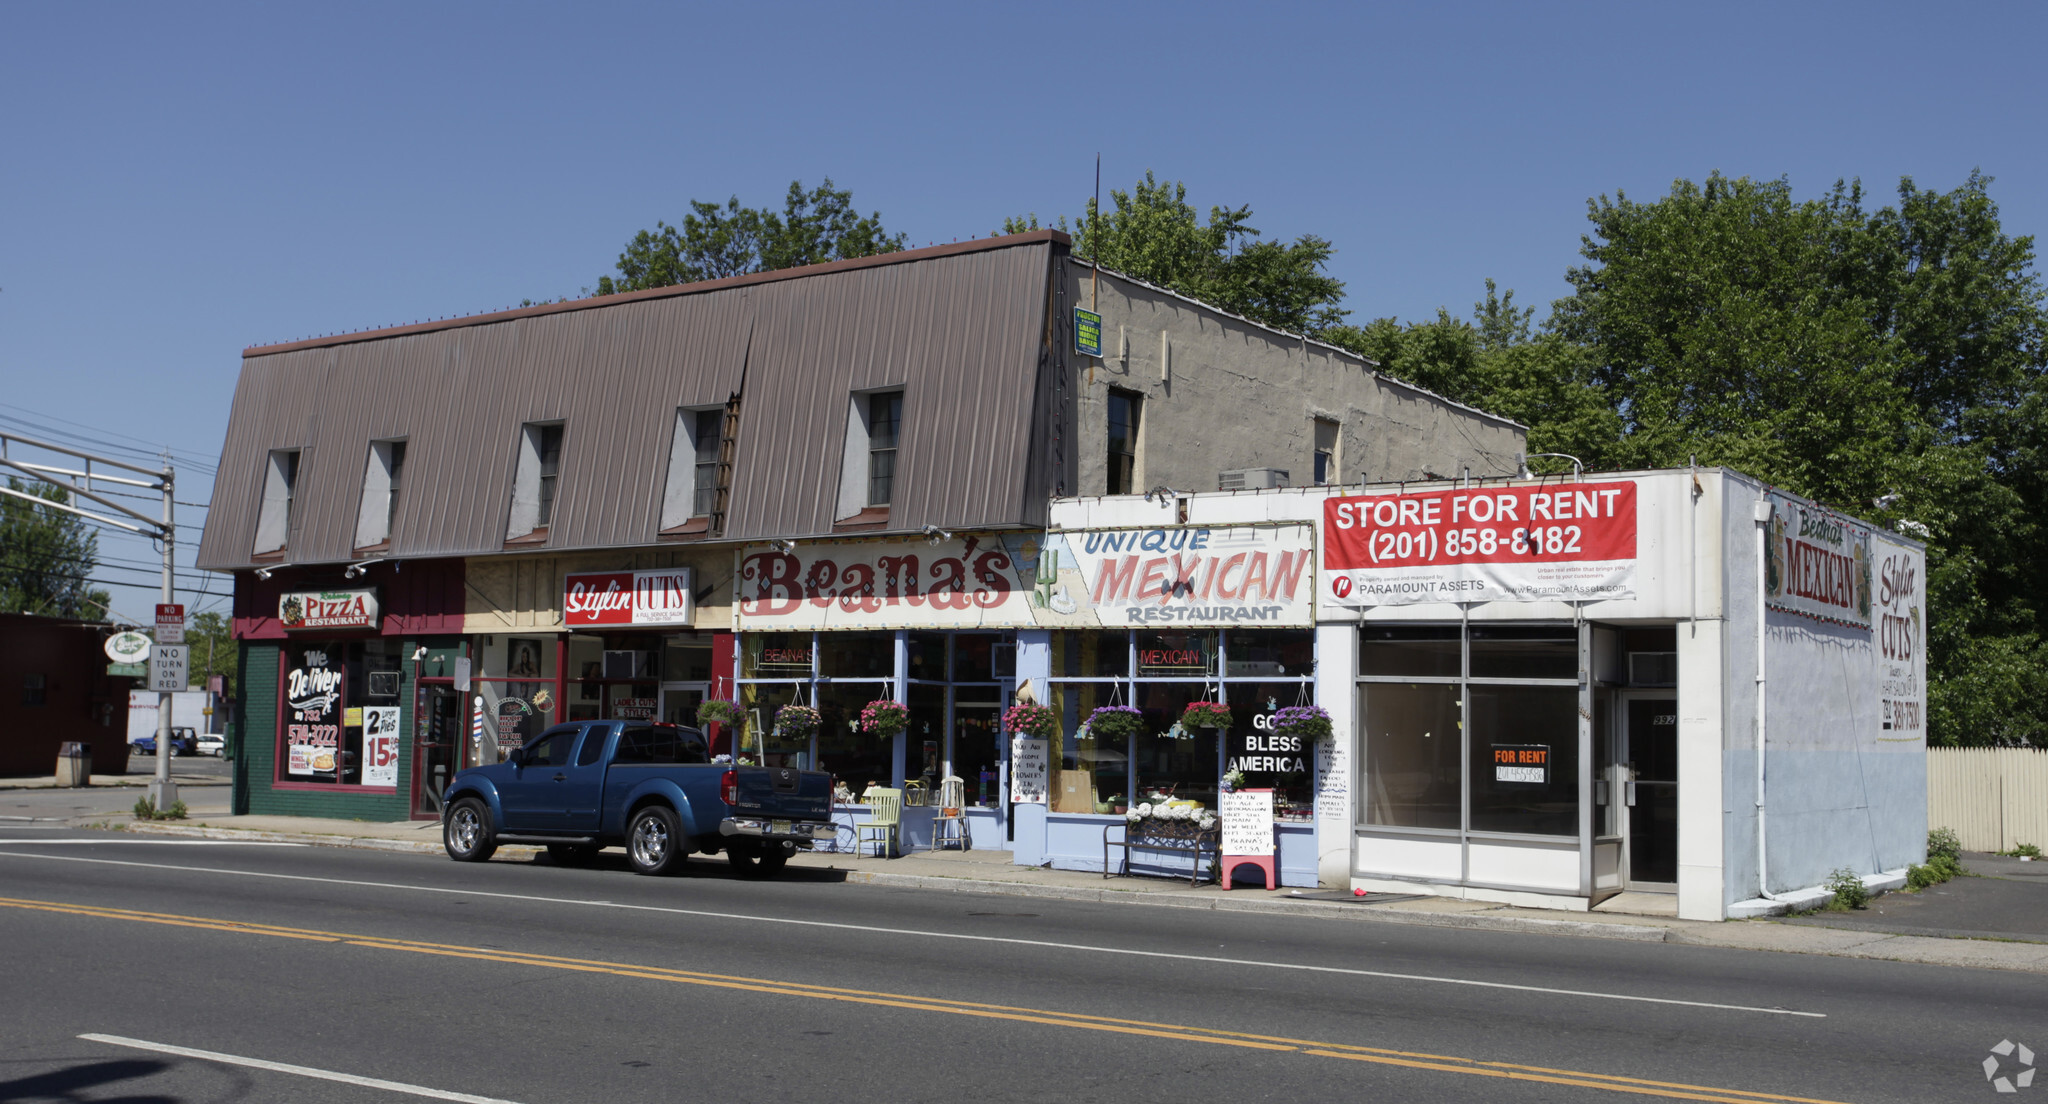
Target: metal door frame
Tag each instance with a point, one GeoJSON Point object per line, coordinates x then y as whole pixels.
{"type": "Point", "coordinates": [1619, 803]}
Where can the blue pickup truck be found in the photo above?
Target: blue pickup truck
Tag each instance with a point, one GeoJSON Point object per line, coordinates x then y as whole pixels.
{"type": "Point", "coordinates": [650, 788]}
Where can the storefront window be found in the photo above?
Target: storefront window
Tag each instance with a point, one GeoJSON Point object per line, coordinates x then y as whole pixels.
{"type": "Point", "coordinates": [926, 734]}
{"type": "Point", "coordinates": [686, 660]}
{"type": "Point", "coordinates": [1525, 651]}
{"type": "Point", "coordinates": [1268, 652]}
{"type": "Point", "coordinates": [773, 655]}
{"type": "Point", "coordinates": [1505, 752]}
{"type": "Point", "coordinates": [1091, 654]}
{"type": "Point", "coordinates": [1411, 754]}
{"type": "Point", "coordinates": [616, 676]}
{"type": "Point", "coordinates": [857, 654]}
{"type": "Point", "coordinates": [1268, 760]}
{"type": "Point", "coordinates": [1525, 759]}
{"type": "Point", "coordinates": [975, 657]}
{"type": "Point", "coordinates": [1106, 761]}
{"type": "Point", "coordinates": [859, 759]}
{"type": "Point", "coordinates": [1188, 768]}
{"type": "Point", "coordinates": [927, 656]}
{"type": "Point", "coordinates": [1414, 651]}
{"type": "Point", "coordinates": [334, 693]}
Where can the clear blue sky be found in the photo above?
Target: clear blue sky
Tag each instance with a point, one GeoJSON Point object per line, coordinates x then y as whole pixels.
{"type": "Point", "coordinates": [181, 181]}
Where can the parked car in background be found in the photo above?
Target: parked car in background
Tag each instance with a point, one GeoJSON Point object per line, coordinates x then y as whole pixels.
{"type": "Point", "coordinates": [212, 743]}
{"type": "Point", "coordinates": [184, 741]}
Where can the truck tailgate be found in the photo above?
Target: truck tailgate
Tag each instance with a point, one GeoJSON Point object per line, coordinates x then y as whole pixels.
{"type": "Point", "coordinates": [783, 792]}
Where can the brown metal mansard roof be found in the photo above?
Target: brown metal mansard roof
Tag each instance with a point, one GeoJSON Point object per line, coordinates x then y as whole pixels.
{"type": "Point", "coordinates": [960, 327]}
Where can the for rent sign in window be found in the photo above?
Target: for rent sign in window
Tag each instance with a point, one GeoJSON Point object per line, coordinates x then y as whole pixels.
{"type": "Point", "coordinates": [1538, 542]}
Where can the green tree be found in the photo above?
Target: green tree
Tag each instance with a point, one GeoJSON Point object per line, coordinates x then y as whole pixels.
{"type": "Point", "coordinates": [1155, 235]}
{"type": "Point", "coordinates": [212, 650]}
{"type": "Point", "coordinates": [715, 242]}
{"type": "Point", "coordinates": [1848, 355]}
{"type": "Point", "coordinates": [47, 556]}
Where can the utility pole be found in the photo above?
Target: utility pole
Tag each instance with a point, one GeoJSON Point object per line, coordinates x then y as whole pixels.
{"type": "Point", "coordinates": [77, 483]}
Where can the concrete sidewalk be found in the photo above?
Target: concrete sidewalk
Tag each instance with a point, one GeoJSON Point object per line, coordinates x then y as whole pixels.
{"type": "Point", "coordinates": [991, 872]}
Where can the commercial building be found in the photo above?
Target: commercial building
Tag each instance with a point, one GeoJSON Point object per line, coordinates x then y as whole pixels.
{"type": "Point", "coordinates": [1546, 691]}
{"type": "Point", "coordinates": [825, 485]}
{"type": "Point", "coordinates": [54, 690]}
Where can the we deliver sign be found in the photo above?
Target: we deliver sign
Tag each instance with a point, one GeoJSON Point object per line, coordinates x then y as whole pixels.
{"type": "Point", "coordinates": [1541, 542]}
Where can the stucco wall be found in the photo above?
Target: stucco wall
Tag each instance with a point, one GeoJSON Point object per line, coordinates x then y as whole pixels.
{"type": "Point", "coordinates": [1221, 393]}
{"type": "Point", "coordinates": [505, 593]}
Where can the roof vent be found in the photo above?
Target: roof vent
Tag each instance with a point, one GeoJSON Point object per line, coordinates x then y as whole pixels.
{"type": "Point", "coordinates": [1250, 479]}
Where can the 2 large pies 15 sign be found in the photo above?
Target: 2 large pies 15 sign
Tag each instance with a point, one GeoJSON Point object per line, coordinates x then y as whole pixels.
{"type": "Point", "coordinates": [1529, 543]}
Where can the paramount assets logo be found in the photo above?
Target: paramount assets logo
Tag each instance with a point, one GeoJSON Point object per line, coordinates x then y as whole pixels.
{"type": "Point", "coordinates": [1995, 1066]}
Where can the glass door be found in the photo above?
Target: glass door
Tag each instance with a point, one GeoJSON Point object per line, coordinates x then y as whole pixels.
{"type": "Point", "coordinates": [437, 744]}
{"type": "Point", "coordinates": [1651, 792]}
{"type": "Point", "coordinates": [679, 702]}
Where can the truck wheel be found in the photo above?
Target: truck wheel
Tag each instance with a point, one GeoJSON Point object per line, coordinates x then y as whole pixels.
{"type": "Point", "coordinates": [467, 832]}
{"type": "Point", "coordinates": [654, 843]}
{"type": "Point", "coordinates": [572, 854]}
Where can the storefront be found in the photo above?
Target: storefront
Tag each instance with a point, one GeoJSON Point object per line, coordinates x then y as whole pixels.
{"type": "Point", "coordinates": [580, 639]}
{"type": "Point", "coordinates": [1550, 691]}
{"type": "Point", "coordinates": [342, 709]}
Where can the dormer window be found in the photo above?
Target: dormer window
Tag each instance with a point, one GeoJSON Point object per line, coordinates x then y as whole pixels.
{"type": "Point", "coordinates": [383, 475]}
{"type": "Point", "coordinates": [537, 471]}
{"type": "Point", "coordinates": [696, 453]}
{"type": "Point", "coordinates": [867, 476]}
{"type": "Point", "coordinates": [278, 515]}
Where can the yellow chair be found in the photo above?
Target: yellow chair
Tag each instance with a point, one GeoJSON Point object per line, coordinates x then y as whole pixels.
{"type": "Point", "coordinates": [885, 824]}
{"type": "Point", "coordinates": [949, 824]}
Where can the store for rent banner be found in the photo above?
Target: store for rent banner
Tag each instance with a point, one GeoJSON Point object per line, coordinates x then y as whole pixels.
{"type": "Point", "coordinates": [1544, 542]}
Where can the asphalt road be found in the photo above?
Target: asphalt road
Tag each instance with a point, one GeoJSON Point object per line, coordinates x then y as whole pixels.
{"type": "Point", "coordinates": [523, 981]}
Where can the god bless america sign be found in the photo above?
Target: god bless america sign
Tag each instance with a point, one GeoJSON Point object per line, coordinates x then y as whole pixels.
{"type": "Point", "coordinates": [1531, 543]}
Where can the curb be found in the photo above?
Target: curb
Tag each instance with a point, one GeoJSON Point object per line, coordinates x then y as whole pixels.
{"type": "Point", "coordinates": [1637, 933]}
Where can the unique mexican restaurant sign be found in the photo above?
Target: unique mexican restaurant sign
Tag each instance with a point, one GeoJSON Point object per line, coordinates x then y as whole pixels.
{"type": "Point", "coordinates": [660, 597]}
{"type": "Point", "coordinates": [1527, 543]}
{"type": "Point", "coordinates": [327, 609]}
{"type": "Point", "coordinates": [1819, 563]}
{"type": "Point", "coordinates": [966, 583]}
{"type": "Point", "coordinates": [1221, 575]}
{"type": "Point", "coordinates": [312, 706]}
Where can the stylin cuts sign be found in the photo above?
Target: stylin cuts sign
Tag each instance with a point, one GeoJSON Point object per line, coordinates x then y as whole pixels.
{"type": "Point", "coordinates": [1544, 542]}
{"type": "Point", "coordinates": [628, 598]}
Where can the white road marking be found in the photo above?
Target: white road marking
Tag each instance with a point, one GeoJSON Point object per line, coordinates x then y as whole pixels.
{"type": "Point", "coordinates": [921, 934]}
{"type": "Point", "coordinates": [161, 842]}
{"type": "Point", "coordinates": [302, 1071]}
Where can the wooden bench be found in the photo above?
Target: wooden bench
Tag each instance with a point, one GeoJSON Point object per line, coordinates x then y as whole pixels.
{"type": "Point", "coordinates": [1150, 834]}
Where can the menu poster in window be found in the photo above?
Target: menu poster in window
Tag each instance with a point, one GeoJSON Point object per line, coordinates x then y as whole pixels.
{"type": "Point", "coordinates": [1542, 542]}
{"type": "Point", "coordinates": [380, 745]}
{"type": "Point", "coordinates": [1247, 822]}
{"type": "Point", "coordinates": [312, 699]}
{"type": "Point", "coordinates": [1030, 770]}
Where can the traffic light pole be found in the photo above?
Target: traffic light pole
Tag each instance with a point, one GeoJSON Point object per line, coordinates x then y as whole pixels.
{"type": "Point", "coordinates": [163, 793]}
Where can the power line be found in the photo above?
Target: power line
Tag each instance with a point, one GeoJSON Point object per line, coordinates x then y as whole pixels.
{"type": "Point", "coordinates": [152, 450]}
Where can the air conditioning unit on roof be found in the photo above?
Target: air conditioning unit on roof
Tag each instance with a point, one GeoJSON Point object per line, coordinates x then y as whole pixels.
{"type": "Point", "coordinates": [1250, 479]}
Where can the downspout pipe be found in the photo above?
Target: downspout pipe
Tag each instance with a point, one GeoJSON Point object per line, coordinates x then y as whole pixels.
{"type": "Point", "coordinates": [1764, 510]}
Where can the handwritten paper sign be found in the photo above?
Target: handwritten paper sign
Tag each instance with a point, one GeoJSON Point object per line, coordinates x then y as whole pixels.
{"type": "Point", "coordinates": [1030, 770]}
{"type": "Point", "coordinates": [1248, 822]}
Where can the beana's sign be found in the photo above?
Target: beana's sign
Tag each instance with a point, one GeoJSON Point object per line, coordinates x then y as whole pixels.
{"type": "Point", "coordinates": [1819, 563]}
{"type": "Point", "coordinates": [327, 609]}
{"type": "Point", "coordinates": [1528, 543]}
{"type": "Point", "coordinates": [660, 597]}
{"type": "Point", "coordinates": [960, 583]}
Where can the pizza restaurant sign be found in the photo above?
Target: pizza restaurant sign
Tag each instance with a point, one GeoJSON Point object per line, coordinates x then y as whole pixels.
{"type": "Point", "coordinates": [327, 609]}
{"type": "Point", "coordinates": [660, 597]}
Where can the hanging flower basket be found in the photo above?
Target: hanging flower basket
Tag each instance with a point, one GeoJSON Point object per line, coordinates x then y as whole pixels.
{"type": "Point", "coordinates": [1205, 714]}
{"type": "Point", "coordinates": [718, 711]}
{"type": "Point", "coordinates": [1115, 722]}
{"type": "Point", "coordinates": [1308, 722]}
{"type": "Point", "coordinates": [796, 722]}
{"type": "Point", "coordinates": [883, 719]}
{"type": "Point", "coordinates": [1029, 719]}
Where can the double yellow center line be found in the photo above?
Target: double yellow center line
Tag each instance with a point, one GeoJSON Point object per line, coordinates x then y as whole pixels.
{"type": "Point", "coordinates": [1079, 1021]}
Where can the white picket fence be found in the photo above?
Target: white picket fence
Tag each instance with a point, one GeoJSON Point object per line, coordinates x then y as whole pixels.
{"type": "Point", "coordinates": [1994, 798]}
